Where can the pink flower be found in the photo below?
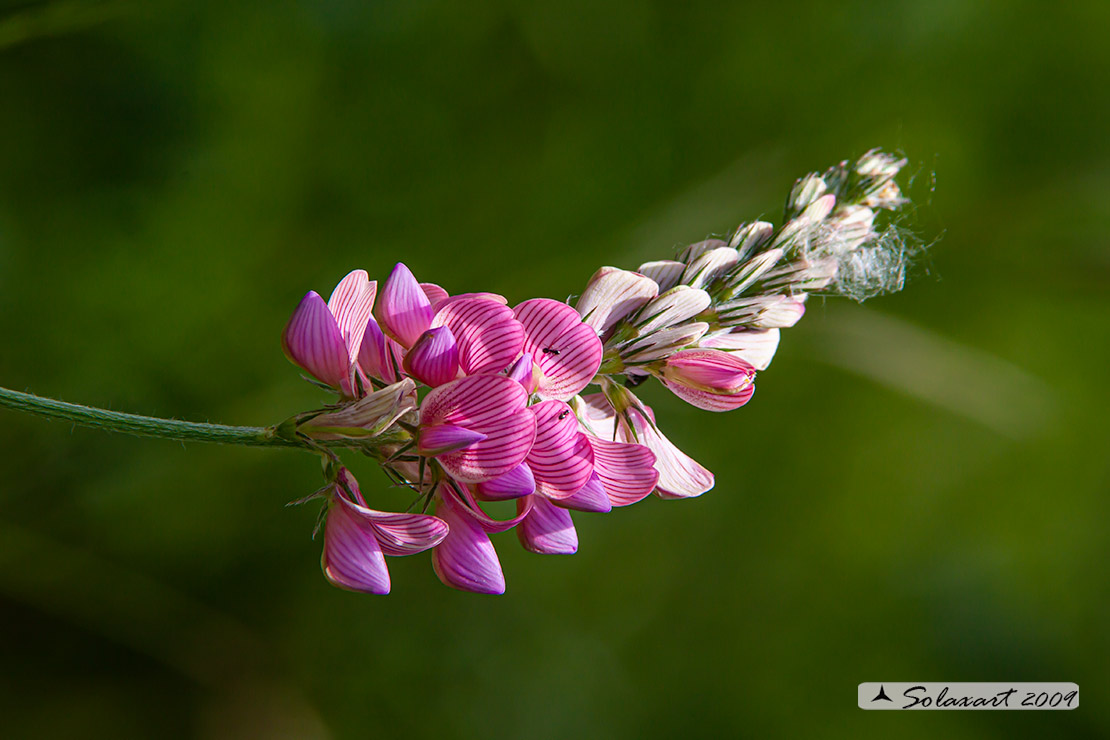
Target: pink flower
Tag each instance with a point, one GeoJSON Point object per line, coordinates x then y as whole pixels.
{"type": "Point", "coordinates": [679, 475]}
{"type": "Point", "coordinates": [357, 538]}
{"type": "Point", "coordinates": [422, 332]}
{"type": "Point", "coordinates": [324, 339]}
{"type": "Point", "coordinates": [708, 378]}
{"type": "Point", "coordinates": [478, 427]}
{"type": "Point", "coordinates": [565, 353]}
{"type": "Point", "coordinates": [466, 559]}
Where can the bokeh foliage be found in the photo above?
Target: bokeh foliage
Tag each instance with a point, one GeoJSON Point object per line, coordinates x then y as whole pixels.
{"type": "Point", "coordinates": [918, 490]}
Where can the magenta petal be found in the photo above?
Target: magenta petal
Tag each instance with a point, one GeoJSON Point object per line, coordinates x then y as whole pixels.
{"type": "Point", "coordinates": [444, 438]}
{"type": "Point", "coordinates": [547, 529]}
{"type": "Point", "coordinates": [434, 359]}
{"type": "Point", "coordinates": [516, 483]}
{"type": "Point", "coordinates": [485, 521]}
{"type": "Point", "coordinates": [523, 372]}
{"type": "Point", "coordinates": [397, 534]}
{"type": "Point", "coordinates": [352, 557]}
{"type": "Point", "coordinates": [436, 295]}
{"type": "Point", "coordinates": [708, 400]}
{"type": "Point", "coordinates": [488, 334]}
{"type": "Point", "coordinates": [351, 303]}
{"type": "Point", "coordinates": [374, 356]}
{"type": "Point", "coordinates": [404, 310]}
{"type": "Point", "coordinates": [590, 497]}
{"type": "Point", "coordinates": [561, 458]}
{"type": "Point", "coordinates": [709, 369]}
{"type": "Point", "coordinates": [466, 559]}
{"type": "Point", "coordinates": [493, 405]}
{"type": "Point", "coordinates": [627, 471]}
{"type": "Point", "coordinates": [312, 341]}
{"type": "Point", "coordinates": [544, 321]}
{"type": "Point", "coordinates": [569, 363]}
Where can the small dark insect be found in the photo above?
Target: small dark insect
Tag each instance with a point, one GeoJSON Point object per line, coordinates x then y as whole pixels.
{"type": "Point", "coordinates": [564, 415]}
{"type": "Point", "coordinates": [550, 351]}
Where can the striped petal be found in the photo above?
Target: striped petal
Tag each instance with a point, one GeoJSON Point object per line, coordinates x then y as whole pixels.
{"type": "Point", "coordinates": [484, 296]}
{"type": "Point", "coordinates": [485, 521]}
{"type": "Point", "coordinates": [434, 359]}
{"type": "Point", "coordinates": [436, 295]}
{"type": "Point", "coordinates": [397, 534]}
{"type": "Point", "coordinates": [312, 341]}
{"type": "Point", "coordinates": [365, 418]}
{"type": "Point", "coordinates": [466, 559]}
{"type": "Point", "coordinates": [665, 273]}
{"type": "Point", "coordinates": [663, 342]}
{"type": "Point", "coordinates": [708, 370]}
{"type": "Point", "coordinates": [352, 557]}
{"type": "Point", "coordinates": [627, 471]}
{"type": "Point", "coordinates": [590, 497]}
{"type": "Point", "coordinates": [569, 363]}
{"type": "Point", "coordinates": [755, 347]}
{"type": "Point", "coordinates": [493, 405]}
{"type": "Point", "coordinates": [710, 265]}
{"type": "Point", "coordinates": [404, 310]}
{"type": "Point", "coordinates": [696, 250]}
{"type": "Point", "coordinates": [547, 530]}
{"type": "Point", "coordinates": [748, 238]}
{"type": "Point", "coordinates": [613, 294]}
{"type": "Point", "coordinates": [544, 321]}
{"type": "Point", "coordinates": [561, 458]}
{"type": "Point", "coordinates": [488, 334]}
{"type": "Point", "coordinates": [709, 401]}
{"type": "Point", "coordinates": [673, 307]}
{"type": "Point", "coordinates": [374, 355]}
{"type": "Point", "coordinates": [516, 483]}
{"type": "Point", "coordinates": [679, 475]}
{"type": "Point", "coordinates": [351, 303]}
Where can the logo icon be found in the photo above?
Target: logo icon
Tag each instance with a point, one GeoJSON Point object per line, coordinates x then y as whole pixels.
{"type": "Point", "coordinates": [882, 694]}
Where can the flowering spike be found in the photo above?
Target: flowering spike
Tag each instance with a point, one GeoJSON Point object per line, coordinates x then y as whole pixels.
{"type": "Point", "coordinates": [312, 341]}
{"type": "Point", "coordinates": [548, 529]}
{"type": "Point", "coordinates": [466, 559]}
{"type": "Point", "coordinates": [434, 359]}
{"type": "Point", "coordinates": [404, 310]}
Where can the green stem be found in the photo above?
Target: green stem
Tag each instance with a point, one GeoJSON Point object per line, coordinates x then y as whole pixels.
{"type": "Point", "coordinates": [145, 426]}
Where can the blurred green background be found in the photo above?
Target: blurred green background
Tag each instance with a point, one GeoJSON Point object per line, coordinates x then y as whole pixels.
{"type": "Point", "coordinates": [918, 491]}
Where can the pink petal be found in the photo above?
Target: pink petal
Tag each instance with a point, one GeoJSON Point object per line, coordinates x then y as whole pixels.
{"type": "Point", "coordinates": [442, 439]}
{"type": "Point", "coordinates": [524, 372]}
{"type": "Point", "coordinates": [516, 483]}
{"type": "Point", "coordinates": [493, 405]}
{"type": "Point", "coordinates": [755, 347]}
{"type": "Point", "coordinates": [596, 414]}
{"type": "Point", "coordinates": [352, 557]}
{"type": "Point", "coordinates": [696, 250]}
{"type": "Point", "coordinates": [404, 310]}
{"type": "Point", "coordinates": [547, 530]}
{"type": "Point", "coordinates": [679, 475]}
{"type": "Point", "coordinates": [488, 333]}
{"type": "Point", "coordinates": [613, 294]}
{"type": "Point", "coordinates": [664, 272]}
{"type": "Point", "coordinates": [485, 521]}
{"type": "Point", "coordinates": [590, 497]}
{"type": "Point", "coordinates": [544, 321]}
{"type": "Point", "coordinates": [397, 534]}
{"type": "Point", "coordinates": [434, 359]}
{"type": "Point", "coordinates": [561, 458]}
{"type": "Point", "coordinates": [569, 363]}
{"type": "Point", "coordinates": [351, 303]}
{"type": "Point", "coordinates": [708, 400]}
{"type": "Point", "coordinates": [466, 559]}
{"type": "Point", "coordinates": [374, 355]}
{"type": "Point", "coordinates": [627, 471]}
{"type": "Point", "coordinates": [312, 341]}
{"type": "Point", "coordinates": [466, 296]}
{"type": "Point", "coordinates": [671, 308]}
{"type": "Point", "coordinates": [708, 370]}
{"type": "Point", "coordinates": [436, 295]}
{"type": "Point", "coordinates": [706, 268]}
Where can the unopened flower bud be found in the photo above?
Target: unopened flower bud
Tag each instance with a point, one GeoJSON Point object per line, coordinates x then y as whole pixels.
{"type": "Point", "coordinates": [707, 378]}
